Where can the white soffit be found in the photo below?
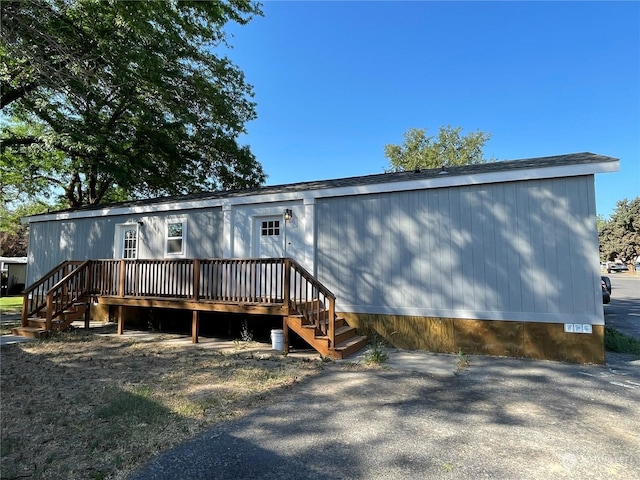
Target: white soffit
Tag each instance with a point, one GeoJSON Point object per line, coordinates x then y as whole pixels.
{"type": "Point", "coordinates": [441, 181]}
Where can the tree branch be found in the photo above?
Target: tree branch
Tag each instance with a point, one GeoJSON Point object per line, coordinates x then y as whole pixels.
{"type": "Point", "coordinates": [69, 190]}
{"type": "Point", "coordinates": [11, 95]}
{"type": "Point", "coordinates": [103, 189]}
{"type": "Point", "coordinates": [10, 142]}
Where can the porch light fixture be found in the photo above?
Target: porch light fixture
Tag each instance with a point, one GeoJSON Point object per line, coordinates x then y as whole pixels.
{"type": "Point", "coordinates": [288, 214]}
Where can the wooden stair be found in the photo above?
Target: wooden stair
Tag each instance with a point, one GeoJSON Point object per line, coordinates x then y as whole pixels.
{"type": "Point", "coordinates": [347, 341]}
{"type": "Point", "coordinates": [37, 326]}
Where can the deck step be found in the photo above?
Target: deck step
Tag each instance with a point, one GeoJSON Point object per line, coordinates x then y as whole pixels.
{"type": "Point", "coordinates": [344, 333]}
{"type": "Point", "coordinates": [73, 315]}
{"type": "Point", "coordinates": [351, 346]}
{"type": "Point", "coordinates": [42, 322]}
{"type": "Point", "coordinates": [347, 340]}
{"type": "Point", "coordinates": [339, 322]}
{"type": "Point", "coordinates": [30, 332]}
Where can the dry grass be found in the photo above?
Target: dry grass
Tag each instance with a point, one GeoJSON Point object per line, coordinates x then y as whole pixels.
{"type": "Point", "coordinates": [95, 407]}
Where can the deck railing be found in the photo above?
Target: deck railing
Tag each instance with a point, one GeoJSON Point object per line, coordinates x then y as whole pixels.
{"type": "Point", "coordinates": [258, 280]}
{"type": "Point", "coordinates": [52, 289]}
{"type": "Point", "coordinates": [221, 280]}
{"type": "Point", "coordinates": [311, 299]}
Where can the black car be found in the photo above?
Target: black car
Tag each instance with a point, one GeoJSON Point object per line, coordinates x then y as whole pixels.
{"type": "Point", "coordinates": [605, 282]}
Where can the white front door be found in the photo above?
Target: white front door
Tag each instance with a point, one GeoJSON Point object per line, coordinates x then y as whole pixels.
{"type": "Point", "coordinates": [269, 236]}
{"type": "Point", "coordinates": [126, 241]}
{"type": "Point", "coordinates": [268, 242]}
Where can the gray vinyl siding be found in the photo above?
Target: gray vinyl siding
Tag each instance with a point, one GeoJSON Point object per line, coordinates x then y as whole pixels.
{"type": "Point", "coordinates": [515, 251]}
{"type": "Point", "coordinates": [44, 249]}
{"type": "Point", "coordinates": [53, 242]}
{"type": "Point", "coordinates": [203, 233]}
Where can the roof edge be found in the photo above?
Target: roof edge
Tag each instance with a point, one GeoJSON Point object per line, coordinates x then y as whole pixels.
{"type": "Point", "coordinates": [584, 163]}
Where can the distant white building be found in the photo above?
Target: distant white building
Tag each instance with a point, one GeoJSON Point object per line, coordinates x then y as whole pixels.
{"type": "Point", "coordinates": [15, 271]}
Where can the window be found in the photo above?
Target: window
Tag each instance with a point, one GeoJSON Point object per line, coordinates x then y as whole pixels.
{"type": "Point", "coordinates": [130, 243]}
{"type": "Point", "coordinates": [270, 228]}
{"type": "Point", "coordinates": [175, 237]}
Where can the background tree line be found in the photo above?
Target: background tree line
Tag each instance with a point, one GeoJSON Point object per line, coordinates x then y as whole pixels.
{"type": "Point", "coordinates": [619, 235]}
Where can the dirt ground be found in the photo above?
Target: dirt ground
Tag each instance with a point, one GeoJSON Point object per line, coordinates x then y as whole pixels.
{"type": "Point", "coordinates": [96, 406]}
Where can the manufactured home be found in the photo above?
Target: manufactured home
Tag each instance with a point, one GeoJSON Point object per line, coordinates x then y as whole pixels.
{"type": "Point", "coordinates": [13, 271]}
{"type": "Point", "coordinates": [498, 258]}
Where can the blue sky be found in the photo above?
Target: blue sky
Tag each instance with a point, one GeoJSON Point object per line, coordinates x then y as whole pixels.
{"type": "Point", "coordinates": [336, 81]}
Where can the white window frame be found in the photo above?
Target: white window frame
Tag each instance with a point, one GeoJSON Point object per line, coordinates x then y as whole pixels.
{"type": "Point", "coordinates": [183, 238]}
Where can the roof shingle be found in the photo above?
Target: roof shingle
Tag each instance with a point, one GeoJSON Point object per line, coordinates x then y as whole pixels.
{"type": "Point", "coordinates": [380, 178]}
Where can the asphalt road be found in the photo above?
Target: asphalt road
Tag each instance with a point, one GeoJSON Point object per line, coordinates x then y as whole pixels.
{"type": "Point", "coordinates": [623, 312]}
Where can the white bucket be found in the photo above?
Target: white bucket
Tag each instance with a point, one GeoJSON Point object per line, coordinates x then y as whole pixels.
{"type": "Point", "coordinates": [277, 339]}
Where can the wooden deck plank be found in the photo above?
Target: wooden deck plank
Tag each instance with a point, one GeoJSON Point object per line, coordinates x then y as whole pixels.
{"type": "Point", "coordinates": [201, 306]}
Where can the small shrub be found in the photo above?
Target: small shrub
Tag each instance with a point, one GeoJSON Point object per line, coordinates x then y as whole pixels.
{"type": "Point", "coordinates": [463, 361]}
{"type": "Point", "coordinates": [246, 334]}
{"type": "Point", "coordinates": [375, 354]}
{"type": "Point", "coordinates": [615, 341]}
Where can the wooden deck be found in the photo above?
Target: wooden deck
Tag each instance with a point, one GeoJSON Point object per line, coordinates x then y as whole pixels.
{"type": "Point", "coordinates": [276, 308]}
{"type": "Point", "coordinates": [272, 286]}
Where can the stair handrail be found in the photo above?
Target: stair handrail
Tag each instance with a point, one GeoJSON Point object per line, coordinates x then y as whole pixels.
{"type": "Point", "coordinates": [28, 307]}
{"type": "Point", "coordinates": [82, 268]}
{"type": "Point", "coordinates": [314, 315]}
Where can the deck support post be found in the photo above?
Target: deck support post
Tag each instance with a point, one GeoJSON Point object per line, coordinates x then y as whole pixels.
{"type": "Point", "coordinates": [25, 310]}
{"type": "Point", "coordinates": [195, 326]}
{"type": "Point", "coordinates": [49, 316]}
{"type": "Point", "coordinates": [87, 314]}
{"type": "Point", "coordinates": [88, 288]}
{"type": "Point", "coordinates": [285, 334]}
{"type": "Point", "coordinates": [120, 319]}
{"type": "Point", "coordinates": [195, 319]}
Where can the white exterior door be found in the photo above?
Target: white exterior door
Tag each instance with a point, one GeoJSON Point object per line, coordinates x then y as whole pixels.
{"type": "Point", "coordinates": [126, 241]}
{"type": "Point", "coordinates": [268, 237]}
{"type": "Point", "coordinates": [268, 242]}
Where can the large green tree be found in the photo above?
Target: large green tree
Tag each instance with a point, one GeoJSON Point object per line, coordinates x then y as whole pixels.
{"type": "Point", "coordinates": [13, 233]}
{"type": "Point", "coordinates": [619, 236]}
{"type": "Point", "coordinates": [105, 98]}
{"type": "Point", "coordinates": [449, 148]}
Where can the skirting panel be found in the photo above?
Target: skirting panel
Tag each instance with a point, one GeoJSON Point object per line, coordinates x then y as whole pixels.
{"type": "Point", "coordinates": [99, 313]}
{"type": "Point", "coordinates": [543, 341]}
